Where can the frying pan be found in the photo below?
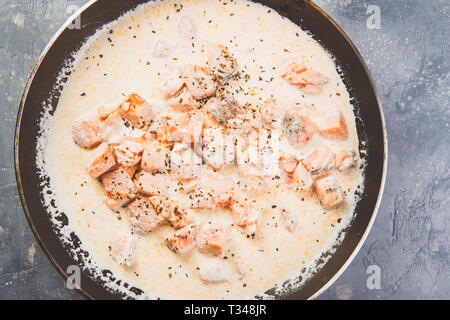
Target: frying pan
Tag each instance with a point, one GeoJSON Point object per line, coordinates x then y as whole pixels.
{"type": "Point", "coordinates": [41, 88]}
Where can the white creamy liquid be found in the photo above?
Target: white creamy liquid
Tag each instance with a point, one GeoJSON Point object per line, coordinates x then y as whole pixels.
{"type": "Point", "coordinates": [122, 61]}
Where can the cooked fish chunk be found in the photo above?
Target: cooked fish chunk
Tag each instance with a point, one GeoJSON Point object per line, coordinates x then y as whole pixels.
{"type": "Point", "coordinates": [182, 241]}
{"type": "Point", "coordinates": [128, 153]}
{"type": "Point", "coordinates": [182, 101]}
{"type": "Point", "coordinates": [311, 77]}
{"type": "Point", "coordinates": [177, 216]}
{"type": "Point", "coordinates": [211, 191]}
{"type": "Point", "coordinates": [223, 189]}
{"type": "Point", "coordinates": [270, 113]}
{"type": "Point", "coordinates": [319, 160]}
{"type": "Point", "coordinates": [116, 129]}
{"type": "Point", "coordinates": [224, 108]}
{"type": "Point", "coordinates": [329, 192]}
{"type": "Point", "coordinates": [221, 62]}
{"type": "Point", "coordinates": [198, 80]}
{"type": "Point", "coordinates": [202, 198]}
{"type": "Point", "coordinates": [301, 179]}
{"type": "Point", "coordinates": [309, 81]}
{"type": "Point", "coordinates": [87, 130]}
{"type": "Point", "coordinates": [246, 216]}
{"type": "Point", "coordinates": [184, 162]}
{"type": "Point", "coordinates": [185, 127]}
{"type": "Point", "coordinates": [119, 187]}
{"type": "Point", "coordinates": [334, 127]}
{"type": "Point", "coordinates": [143, 216]}
{"type": "Point", "coordinates": [124, 249]}
{"type": "Point", "coordinates": [288, 163]}
{"type": "Point", "coordinates": [293, 73]}
{"type": "Point", "coordinates": [213, 147]}
{"type": "Point", "coordinates": [154, 158]}
{"type": "Point", "coordinates": [136, 110]}
{"type": "Point", "coordinates": [181, 217]}
{"type": "Point", "coordinates": [152, 183]}
{"type": "Point", "coordinates": [217, 272]}
{"type": "Point", "coordinates": [101, 160]}
{"type": "Point", "coordinates": [163, 205]}
{"type": "Point", "coordinates": [344, 159]}
{"type": "Point", "coordinates": [213, 239]}
{"type": "Point", "coordinates": [157, 130]}
{"type": "Point", "coordinates": [298, 129]}
{"type": "Point", "coordinates": [172, 87]}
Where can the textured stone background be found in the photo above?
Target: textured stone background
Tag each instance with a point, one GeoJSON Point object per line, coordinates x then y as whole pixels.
{"type": "Point", "coordinates": [408, 58]}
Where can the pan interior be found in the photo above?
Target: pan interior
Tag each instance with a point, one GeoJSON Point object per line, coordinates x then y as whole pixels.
{"type": "Point", "coordinates": [370, 146]}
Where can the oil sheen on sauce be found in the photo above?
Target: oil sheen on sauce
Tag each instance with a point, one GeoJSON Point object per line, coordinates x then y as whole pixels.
{"type": "Point", "coordinates": [121, 59]}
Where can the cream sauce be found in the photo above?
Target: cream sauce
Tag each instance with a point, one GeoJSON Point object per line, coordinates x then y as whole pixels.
{"type": "Point", "coordinates": [127, 60]}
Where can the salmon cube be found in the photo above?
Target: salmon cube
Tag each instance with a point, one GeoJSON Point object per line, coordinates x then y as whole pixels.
{"type": "Point", "coordinates": [301, 178]}
{"type": "Point", "coordinates": [116, 203]}
{"type": "Point", "coordinates": [182, 101]}
{"type": "Point", "coordinates": [143, 216]}
{"type": "Point", "coordinates": [212, 191]}
{"type": "Point", "coordinates": [223, 189]}
{"type": "Point", "coordinates": [293, 73]}
{"type": "Point", "coordinates": [154, 158]}
{"type": "Point", "coordinates": [319, 160]}
{"type": "Point", "coordinates": [344, 159]}
{"type": "Point", "coordinates": [152, 183]}
{"type": "Point", "coordinates": [105, 110]}
{"type": "Point", "coordinates": [119, 187]}
{"type": "Point", "coordinates": [182, 241]}
{"type": "Point", "coordinates": [101, 160]}
{"type": "Point", "coordinates": [329, 192]}
{"type": "Point", "coordinates": [87, 130]}
{"type": "Point", "coordinates": [137, 110]}
{"type": "Point", "coordinates": [309, 81]}
{"type": "Point", "coordinates": [270, 113]}
{"type": "Point", "coordinates": [213, 147]}
{"type": "Point", "coordinates": [177, 216]}
{"type": "Point", "coordinates": [299, 130]}
{"type": "Point", "coordinates": [172, 88]}
{"type": "Point", "coordinates": [180, 217]}
{"type": "Point", "coordinates": [221, 62]}
{"type": "Point", "coordinates": [311, 77]}
{"type": "Point", "coordinates": [334, 127]}
{"type": "Point", "coordinates": [199, 81]}
{"type": "Point", "coordinates": [288, 163]}
{"type": "Point", "coordinates": [213, 239]}
{"type": "Point", "coordinates": [224, 108]}
{"type": "Point", "coordinates": [202, 198]}
{"type": "Point", "coordinates": [128, 153]}
{"type": "Point", "coordinates": [312, 89]}
{"type": "Point", "coordinates": [186, 128]}
{"type": "Point", "coordinates": [163, 206]}
{"type": "Point", "coordinates": [246, 216]}
{"type": "Point", "coordinates": [124, 249]}
{"type": "Point", "coordinates": [184, 162]}
{"type": "Point", "coordinates": [217, 272]}
{"type": "Point", "coordinates": [297, 74]}
{"type": "Point", "coordinates": [157, 130]}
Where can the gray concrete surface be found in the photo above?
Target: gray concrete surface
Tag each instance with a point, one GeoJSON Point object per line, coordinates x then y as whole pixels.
{"type": "Point", "coordinates": [408, 57]}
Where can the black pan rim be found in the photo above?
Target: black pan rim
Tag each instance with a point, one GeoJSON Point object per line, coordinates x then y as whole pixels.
{"type": "Point", "coordinates": [30, 80]}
